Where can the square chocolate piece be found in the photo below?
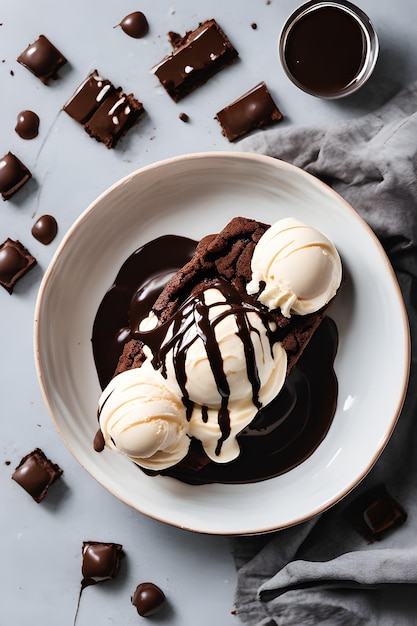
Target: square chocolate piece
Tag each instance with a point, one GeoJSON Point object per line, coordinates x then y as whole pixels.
{"type": "Point", "coordinates": [42, 59]}
{"type": "Point", "coordinates": [255, 109]}
{"type": "Point", "coordinates": [13, 175]}
{"type": "Point", "coordinates": [15, 261]}
{"type": "Point", "coordinates": [375, 512]}
{"type": "Point", "coordinates": [36, 473]}
{"type": "Point", "coordinates": [88, 97]}
{"type": "Point", "coordinates": [197, 56]}
{"type": "Point", "coordinates": [101, 561]}
{"type": "Point", "coordinates": [114, 117]}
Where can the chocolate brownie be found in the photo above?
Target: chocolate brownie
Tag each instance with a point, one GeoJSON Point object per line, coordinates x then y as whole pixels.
{"type": "Point", "coordinates": [227, 256]}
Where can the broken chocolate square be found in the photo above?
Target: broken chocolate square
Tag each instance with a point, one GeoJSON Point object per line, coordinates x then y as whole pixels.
{"type": "Point", "coordinates": [88, 97]}
{"type": "Point", "coordinates": [36, 473]}
{"type": "Point", "coordinates": [15, 261]}
{"type": "Point", "coordinates": [101, 561]}
{"type": "Point", "coordinates": [375, 512]}
{"type": "Point", "coordinates": [197, 56]}
{"type": "Point", "coordinates": [114, 118]}
{"type": "Point", "coordinates": [105, 112]}
{"type": "Point", "coordinates": [255, 109]}
{"type": "Point", "coordinates": [13, 175]}
{"type": "Point", "coordinates": [42, 59]}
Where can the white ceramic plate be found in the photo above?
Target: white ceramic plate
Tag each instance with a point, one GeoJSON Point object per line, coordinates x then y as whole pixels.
{"type": "Point", "coordinates": [195, 195]}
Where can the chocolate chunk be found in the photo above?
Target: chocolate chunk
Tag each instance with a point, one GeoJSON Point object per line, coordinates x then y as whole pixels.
{"type": "Point", "coordinates": [375, 512]}
{"type": "Point", "coordinates": [36, 473]}
{"type": "Point", "coordinates": [13, 175]}
{"type": "Point", "coordinates": [148, 599]}
{"type": "Point", "coordinates": [106, 112]}
{"type": "Point", "coordinates": [184, 117]}
{"type": "Point", "coordinates": [15, 261]}
{"type": "Point", "coordinates": [27, 126]}
{"type": "Point", "coordinates": [135, 25]}
{"type": "Point", "coordinates": [114, 118]}
{"type": "Point", "coordinates": [42, 59]}
{"type": "Point", "coordinates": [88, 97]}
{"type": "Point", "coordinates": [255, 109]}
{"type": "Point", "coordinates": [100, 561]}
{"type": "Point", "coordinates": [197, 56]}
{"type": "Point", "coordinates": [45, 229]}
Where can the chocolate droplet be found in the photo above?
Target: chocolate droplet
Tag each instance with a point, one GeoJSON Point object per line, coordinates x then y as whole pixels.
{"type": "Point", "coordinates": [45, 229]}
{"type": "Point", "coordinates": [135, 25]}
{"type": "Point", "coordinates": [27, 126]}
{"type": "Point", "coordinates": [148, 599]}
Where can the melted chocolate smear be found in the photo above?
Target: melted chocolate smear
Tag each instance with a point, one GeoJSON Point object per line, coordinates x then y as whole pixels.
{"type": "Point", "coordinates": [135, 25]}
{"type": "Point", "coordinates": [284, 433]}
{"type": "Point", "coordinates": [45, 229]}
{"type": "Point", "coordinates": [129, 300]}
{"type": "Point", "coordinates": [27, 126]}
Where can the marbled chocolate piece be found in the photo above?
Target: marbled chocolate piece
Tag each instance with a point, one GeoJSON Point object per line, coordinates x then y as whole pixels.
{"type": "Point", "coordinates": [15, 261]}
{"type": "Point", "coordinates": [88, 97]}
{"type": "Point", "coordinates": [148, 599]}
{"type": "Point", "coordinates": [13, 175]}
{"type": "Point", "coordinates": [197, 56]}
{"type": "Point", "coordinates": [117, 114]}
{"type": "Point", "coordinates": [42, 59]}
{"type": "Point", "coordinates": [36, 473]}
{"type": "Point", "coordinates": [255, 109]}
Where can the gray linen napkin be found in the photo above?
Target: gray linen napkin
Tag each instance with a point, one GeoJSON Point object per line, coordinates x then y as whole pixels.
{"type": "Point", "coordinates": [323, 571]}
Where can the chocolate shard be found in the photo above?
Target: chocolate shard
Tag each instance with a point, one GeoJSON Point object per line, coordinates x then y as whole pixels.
{"type": "Point", "coordinates": [88, 97]}
{"type": "Point", "coordinates": [197, 56]}
{"type": "Point", "coordinates": [105, 112]}
{"type": "Point", "coordinates": [255, 109]}
{"type": "Point", "coordinates": [13, 175]}
{"type": "Point", "coordinates": [15, 261]}
{"type": "Point", "coordinates": [375, 512]}
{"type": "Point", "coordinates": [42, 59]}
{"type": "Point", "coordinates": [36, 473]}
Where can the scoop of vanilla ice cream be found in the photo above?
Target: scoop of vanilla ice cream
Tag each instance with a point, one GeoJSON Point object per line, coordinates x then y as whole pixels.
{"type": "Point", "coordinates": [144, 419]}
{"type": "Point", "coordinates": [299, 265]}
{"type": "Point", "coordinates": [202, 386]}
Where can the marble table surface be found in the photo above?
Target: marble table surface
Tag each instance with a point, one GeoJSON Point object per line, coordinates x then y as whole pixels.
{"type": "Point", "coordinates": [40, 544]}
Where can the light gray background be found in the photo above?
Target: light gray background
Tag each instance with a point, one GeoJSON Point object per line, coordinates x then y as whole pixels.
{"type": "Point", "coordinates": [40, 544]}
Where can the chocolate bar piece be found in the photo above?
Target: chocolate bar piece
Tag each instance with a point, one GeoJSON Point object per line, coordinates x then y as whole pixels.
{"type": "Point", "coordinates": [42, 59]}
{"type": "Point", "coordinates": [105, 112]}
{"type": "Point", "coordinates": [36, 473]}
{"type": "Point", "coordinates": [15, 261]}
{"type": "Point", "coordinates": [101, 561]}
{"type": "Point", "coordinates": [88, 97]}
{"type": "Point", "coordinates": [13, 175]}
{"type": "Point", "coordinates": [197, 56]}
{"type": "Point", "coordinates": [375, 512]}
{"type": "Point", "coordinates": [116, 115]}
{"type": "Point", "coordinates": [255, 109]}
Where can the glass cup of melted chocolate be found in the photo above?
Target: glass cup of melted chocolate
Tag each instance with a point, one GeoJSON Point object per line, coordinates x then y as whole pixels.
{"type": "Point", "coordinates": [328, 49]}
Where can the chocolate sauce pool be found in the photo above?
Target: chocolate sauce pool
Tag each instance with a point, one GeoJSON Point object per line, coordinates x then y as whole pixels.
{"type": "Point", "coordinates": [284, 433]}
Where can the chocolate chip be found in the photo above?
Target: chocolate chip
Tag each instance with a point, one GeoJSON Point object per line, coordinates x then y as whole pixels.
{"type": "Point", "coordinates": [15, 261]}
{"type": "Point", "coordinates": [148, 599]}
{"type": "Point", "coordinates": [13, 175]}
{"type": "Point", "coordinates": [45, 229]}
{"type": "Point", "coordinates": [135, 25]}
{"type": "Point", "coordinates": [42, 59]}
{"type": "Point", "coordinates": [36, 473]}
{"type": "Point", "coordinates": [184, 117]}
{"type": "Point", "coordinates": [27, 126]}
